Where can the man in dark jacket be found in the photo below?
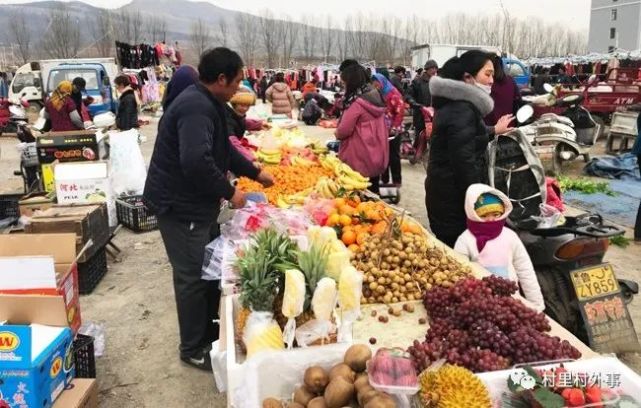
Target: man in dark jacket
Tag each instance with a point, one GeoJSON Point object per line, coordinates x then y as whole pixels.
{"type": "Point", "coordinates": [419, 95]}
{"type": "Point", "coordinates": [127, 115]}
{"type": "Point", "coordinates": [397, 79]}
{"type": "Point", "coordinates": [186, 182]}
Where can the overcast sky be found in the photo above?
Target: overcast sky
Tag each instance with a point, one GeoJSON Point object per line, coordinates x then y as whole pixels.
{"type": "Point", "coordinates": [574, 13]}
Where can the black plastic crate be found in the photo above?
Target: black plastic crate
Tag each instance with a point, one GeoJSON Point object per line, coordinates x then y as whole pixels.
{"type": "Point", "coordinates": [90, 273]}
{"type": "Point", "coordinates": [9, 207]}
{"type": "Point", "coordinates": [83, 356]}
{"type": "Point", "coordinates": [133, 214]}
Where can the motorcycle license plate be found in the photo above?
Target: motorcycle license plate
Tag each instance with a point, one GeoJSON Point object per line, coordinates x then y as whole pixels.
{"type": "Point", "coordinates": [594, 281]}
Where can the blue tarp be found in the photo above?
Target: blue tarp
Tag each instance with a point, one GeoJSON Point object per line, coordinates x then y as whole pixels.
{"type": "Point", "coordinates": [624, 166]}
{"type": "Point", "coordinates": [623, 173]}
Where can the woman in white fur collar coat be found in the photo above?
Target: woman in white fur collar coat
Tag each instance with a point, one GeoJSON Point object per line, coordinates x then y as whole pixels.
{"type": "Point", "coordinates": [461, 98]}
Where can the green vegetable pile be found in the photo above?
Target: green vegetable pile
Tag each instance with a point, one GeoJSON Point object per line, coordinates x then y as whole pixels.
{"type": "Point", "coordinates": [584, 186]}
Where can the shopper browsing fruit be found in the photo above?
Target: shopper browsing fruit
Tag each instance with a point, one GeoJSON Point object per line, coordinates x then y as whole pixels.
{"type": "Point", "coordinates": [495, 247]}
{"type": "Point", "coordinates": [185, 184]}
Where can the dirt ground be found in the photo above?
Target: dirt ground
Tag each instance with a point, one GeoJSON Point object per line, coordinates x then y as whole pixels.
{"type": "Point", "coordinates": [135, 303]}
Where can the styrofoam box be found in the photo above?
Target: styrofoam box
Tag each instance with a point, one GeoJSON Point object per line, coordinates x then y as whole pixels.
{"type": "Point", "coordinates": [496, 381]}
{"type": "Point", "coordinates": [269, 374]}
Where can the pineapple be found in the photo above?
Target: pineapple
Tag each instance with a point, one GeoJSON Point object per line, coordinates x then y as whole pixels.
{"type": "Point", "coordinates": [258, 281]}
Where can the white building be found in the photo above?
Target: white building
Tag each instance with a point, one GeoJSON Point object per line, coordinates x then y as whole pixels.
{"type": "Point", "coordinates": [615, 24]}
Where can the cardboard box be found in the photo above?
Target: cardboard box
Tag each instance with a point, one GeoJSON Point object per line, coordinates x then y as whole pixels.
{"type": "Point", "coordinates": [36, 202]}
{"type": "Point", "coordinates": [80, 145]}
{"type": "Point", "coordinates": [36, 350]}
{"type": "Point", "coordinates": [88, 222]}
{"type": "Point", "coordinates": [85, 183]}
{"type": "Point", "coordinates": [81, 393]}
{"type": "Point", "coordinates": [60, 247]}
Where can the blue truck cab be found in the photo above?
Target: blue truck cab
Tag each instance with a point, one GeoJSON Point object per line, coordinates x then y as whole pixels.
{"type": "Point", "coordinates": [98, 86]}
{"type": "Point", "coordinates": [517, 70]}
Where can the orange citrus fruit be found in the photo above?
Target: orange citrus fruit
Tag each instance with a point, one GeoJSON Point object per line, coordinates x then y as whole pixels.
{"type": "Point", "coordinates": [346, 209]}
{"type": "Point", "coordinates": [338, 202]}
{"type": "Point", "coordinates": [345, 220]}
{"type": "Point", "coordinates": [379, 228]}
{"type": "Point", "coordinates": [348, 237]}
{"type": "Point", "coordinates": [353, 247]}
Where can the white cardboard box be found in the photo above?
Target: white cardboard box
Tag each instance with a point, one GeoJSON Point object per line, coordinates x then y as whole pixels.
{"type": "Point", "coordinates": [85, 183]}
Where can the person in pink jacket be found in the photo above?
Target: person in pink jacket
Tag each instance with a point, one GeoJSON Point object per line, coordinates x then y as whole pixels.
{"type": "Point", "coordinates": [496, 248]}
{"type": "Point", "coordinates": [361, 129]}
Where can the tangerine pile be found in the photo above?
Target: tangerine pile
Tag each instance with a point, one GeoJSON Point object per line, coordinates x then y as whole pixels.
{"type": "Point", "coordinates": [356, 221]}
{"type": "Point", "coordinates": [288, 180]}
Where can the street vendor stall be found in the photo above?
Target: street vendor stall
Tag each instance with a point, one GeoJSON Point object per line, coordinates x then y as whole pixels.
{"type": "Point", "coordinates": [323, 276]}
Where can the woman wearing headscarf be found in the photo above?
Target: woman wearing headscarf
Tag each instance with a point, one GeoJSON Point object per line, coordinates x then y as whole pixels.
{"type": "Point", "coordinates": [61, 109]}
{"type": "Point", "coordinates": [184, 77]}
{"type": "Point", "coordinates": [394, 122]}
{"type": "Point", "coordinates": [361, 129]}
{"type": "Point", "coordinates": [461, 98]}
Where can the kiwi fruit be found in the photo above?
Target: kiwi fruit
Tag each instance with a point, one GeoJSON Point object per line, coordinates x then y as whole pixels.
{"type": "Point", "coordinates": [302, 396]}
{"type": "Point", "coordinates": [361, 381]}
{"type": "Point", "coordinates": [316, 379]}
{"type": "Point", "coordinates": [318, 402]}
{"type": "Point", "coordinates": [342, 370]}
{"type": "Point", "coordinates": [357, 356]}
{"type": "Point", "coordinates": [272, 403]}
{"type": "Point", "coordinates": [295, 405]}
{"type": "Point", "coordinates": [339, 392]}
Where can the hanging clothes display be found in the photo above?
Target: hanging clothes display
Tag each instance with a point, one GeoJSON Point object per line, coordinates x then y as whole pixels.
{"type": "Point", "coordinates": [136, 56]}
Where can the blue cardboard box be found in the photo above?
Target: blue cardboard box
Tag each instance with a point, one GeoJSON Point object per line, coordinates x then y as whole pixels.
{"type": "Point", "coordinates": [36, 350]}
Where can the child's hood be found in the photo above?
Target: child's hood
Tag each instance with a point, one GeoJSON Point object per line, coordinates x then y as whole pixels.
{"type": "Point", "coordinates": [473, 193]}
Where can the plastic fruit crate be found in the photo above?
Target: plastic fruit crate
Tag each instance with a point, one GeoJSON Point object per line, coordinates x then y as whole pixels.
{"type": "Point", "coordinates": [133, 214]}
{"type": "Point", "coordinates": [90, 273]}
{"type": "Point", "coordinates": [9, 207]}
{"type": "Point", "coordinates": [83, 356]}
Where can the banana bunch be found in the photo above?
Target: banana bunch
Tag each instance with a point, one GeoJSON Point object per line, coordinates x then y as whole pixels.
{"type": "Point", "coordinates": [269, 156]}
{"type": "Point", "coordinates": [294, 199]}
{"type": "Point", "coordinates": [326, 187]}
{"type": "Point", "coordinates": [319, 149]}
{"type": "Point", "coordinates": [300, 161]}
{"type": "Point", "coordinates": [350, 179]}
{"type": "Point", "coordinates": [330, 162]}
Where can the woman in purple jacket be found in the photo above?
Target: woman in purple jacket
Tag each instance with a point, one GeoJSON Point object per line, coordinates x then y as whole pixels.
{"type": "Point", "coordinates": [505, 93]}
{"type": "Point", "coordinates": [361, 130]}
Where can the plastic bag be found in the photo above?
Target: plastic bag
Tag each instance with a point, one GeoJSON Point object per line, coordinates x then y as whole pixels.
{"type": "Point", "coordinates": [262, 333]}
{"type": "Point", "coordinates": [313, 331]}
{"type": "Point", "coordinates": [128, 172]}
{"type": "Point", "coordinates": [350, 286]}
{"type": "Point", "coordinates": [293, 303]}
{"type": "Point", "coordinates": [550, 216]}
{"type": "Point", "coordinates": [323, 304]}
{"type": "Point", "coordinates": [212, 264]}
{"type": "Point", "coordinates": [97, 331]}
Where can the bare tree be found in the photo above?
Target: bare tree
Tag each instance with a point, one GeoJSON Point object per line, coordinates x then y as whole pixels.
{"type": "Point", "coordinates": [271, 33]}
{"type": "Point", "coordinates": [200, 36]}
{"type": "Point", "coordinates": [308, 37]}
{"type": "Point", "coordinates": [327, 37]}
{"type": "Point", "coordinates": [247, 37]}
{"type": "Point", "coordinates": [20, 34]}
{"type": "Point", "coordinates": [130, 26]}
{"type": "Point", "coordinates": [223, 32]}
{"type": "Point", "coordinates": [156, 29]}
{"type": "Point", "coordinates": [102, 32]}
{"type": "Point", "coordinates": [289, 37]}
{"type": "Point", "coordinates": [62, 37]}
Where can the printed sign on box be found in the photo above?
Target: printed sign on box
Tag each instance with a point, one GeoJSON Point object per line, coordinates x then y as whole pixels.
{"type": "Point", "coordinates": [85, 183]}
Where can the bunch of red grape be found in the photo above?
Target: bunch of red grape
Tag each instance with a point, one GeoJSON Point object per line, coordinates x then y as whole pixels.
{"type": "Point", "coordinates": [478, 325]}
